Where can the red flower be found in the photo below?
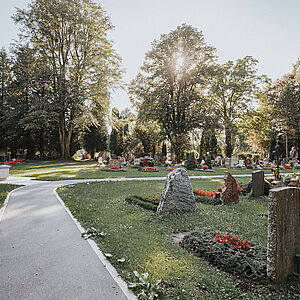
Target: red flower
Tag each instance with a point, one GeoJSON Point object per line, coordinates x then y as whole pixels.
{"type": "Point", "coordinates": [231, 241]}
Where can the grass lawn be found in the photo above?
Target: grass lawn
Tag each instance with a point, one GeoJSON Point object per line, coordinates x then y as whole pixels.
{"type": "Point", "coordinates": [4, 190]}
{"type": "Point", "coordinates": [59, 170]}
{"type": "Point", "coordinates": [144, 238]}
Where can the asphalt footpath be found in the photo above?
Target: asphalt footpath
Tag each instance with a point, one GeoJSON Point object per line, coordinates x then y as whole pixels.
{"type": "Point", "coordinates": [42, 253]}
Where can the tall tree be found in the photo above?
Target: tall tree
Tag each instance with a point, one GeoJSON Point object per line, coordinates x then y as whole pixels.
{"type": "Point", "coordinates": [5, 81]}
{"type": "Point", "coordinates": [232, 89]}
{"type": "Point", "coordinates": [71, 36]}
{"type": "Point", "coordinates": [32, 105]}
{"type": "Point", "coordinates": [257, 126]}
{"type": "Point", "coordinates": [171, 85]}
{"type": "Point", "coordinates": [284, 96]}
{"type": "Point", "coordinates": [149, 134]}
{"type": "Point", "coordinates": [120, 122]}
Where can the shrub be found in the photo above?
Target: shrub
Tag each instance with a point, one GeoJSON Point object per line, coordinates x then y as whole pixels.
{"type": "Point", "coordinates": [208, 161]}
{"type": "Point", "coordinates": [250, 263]}
{"type": "Point", "coordinates": [149, 202]}
{"type": "Point", "coordinates": [143, 204]}
{"type": "Point", "coordinates": [191, 162]}
{"type": "Point", "coordinates": [208, 200]}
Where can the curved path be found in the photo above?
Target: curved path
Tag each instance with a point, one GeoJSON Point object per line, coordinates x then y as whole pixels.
{"type": "Point", "coordinates": [42, 253]}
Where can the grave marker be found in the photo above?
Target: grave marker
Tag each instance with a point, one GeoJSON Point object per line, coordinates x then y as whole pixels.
{"type": "Point", "coordinates": [230, 193]}
{"type": "Point", "coordinates": [234, 160]}
{"type": "Point", "coordinates": [258, 183]}
{"type": "Point", "coordinates": [283, 232]}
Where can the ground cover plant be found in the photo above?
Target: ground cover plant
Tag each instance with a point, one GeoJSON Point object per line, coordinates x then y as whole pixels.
{"type": "Point", "coordinates": [61, 169]}
{"type": "Point", "coordinates": [228, 252]}
{"type": "Point", "coordinates": [4, 190]}
{"type": "Point", "coordinates": [141, 240]}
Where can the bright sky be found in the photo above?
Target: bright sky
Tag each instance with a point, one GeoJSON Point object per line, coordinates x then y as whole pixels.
{"type": "Point", "coordinates": [268, 30]}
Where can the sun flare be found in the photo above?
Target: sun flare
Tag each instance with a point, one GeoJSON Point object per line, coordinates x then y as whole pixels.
{"type": "Point", "coordinates": [180, 60]}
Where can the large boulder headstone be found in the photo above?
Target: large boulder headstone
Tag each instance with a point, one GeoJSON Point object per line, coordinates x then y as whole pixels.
{"type": "Point", "coordinates": [177, 194]}
{"type": "Point", "coordinates": [230, 193]}
{"type": "Point", "coordinates": [283, 232]}
{"type": "Point", "coordinates": [258, 183]}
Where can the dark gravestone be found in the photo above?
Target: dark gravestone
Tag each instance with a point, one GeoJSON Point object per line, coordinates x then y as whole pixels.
{"type": "Point", "coordinates": [283, 232]}
{"type": "Point", "coordinates": [258, 183]}
{"type": "Point", "coordinates": [177, 194]}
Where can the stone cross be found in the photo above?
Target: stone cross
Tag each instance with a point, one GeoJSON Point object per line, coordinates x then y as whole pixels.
{"type": "Point", "coordinates": [258, 183]}
{"type": "Point", "coordinates": [283, 232]}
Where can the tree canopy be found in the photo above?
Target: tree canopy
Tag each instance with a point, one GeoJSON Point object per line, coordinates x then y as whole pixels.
{"type": "Point", "coordinates": [70, 38]}
{"type": "Point", "coordinates": [170, 88]}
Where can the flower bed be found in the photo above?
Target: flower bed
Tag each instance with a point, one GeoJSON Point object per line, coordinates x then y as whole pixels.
{"type": "Point", "coordinates": [217, 193]}
{"type": "Point", "coordinates": [149, 169]}
{"type": "Point", "coordinates": [172, 168]}
{"type": "Point", "coordinates": [10, 163]}
{"type": "Point", "coordinates": [228, 252]}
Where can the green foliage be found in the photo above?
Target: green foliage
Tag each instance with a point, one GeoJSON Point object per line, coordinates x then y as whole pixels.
{"type": "Point", "coordinates": [92, 233]}
{"type": "Point", "coordinates": [208, 161]}
{"type": "Point", "coordinates": [191, 162]}
{"type": "Point", "coordinates": [250, 263]}
{"type": "Point", "coordinates": [4, 190]}
{"type": "Point", "coordinates": [69, 38]}
{"type": "Point", "coordinates": [120, 132]}
{"type": "Point", "coordinates": [146, 290]}
{"type": "Point", "coordinates": [149, 134]}
{"type": "Point", "coordinates": [149, 202]}
{"type": "Point", "coordinates": [284, 96]}
{"type": "Point", "coordinates": [208, 142]}
{"type": "Point", "coordinates": [232, 89]}
{"type": "Point", "coordinates": [169, 88]}
{"type": "Point", "coordinates": [207, 200]}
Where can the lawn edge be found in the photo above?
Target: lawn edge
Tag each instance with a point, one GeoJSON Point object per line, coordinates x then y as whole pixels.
{"type": "Point", "coordinates": [5, 203]}
{"type": "Point", "coordinates": [110, 268]}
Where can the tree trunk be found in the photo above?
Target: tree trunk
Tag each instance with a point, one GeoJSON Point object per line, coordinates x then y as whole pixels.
{"type": "Point", "coordinates": [286, 147]}
{"type": "Point", "coordinates": [228, 150]}
{"type": "Point", "coordinates": [65, 140]}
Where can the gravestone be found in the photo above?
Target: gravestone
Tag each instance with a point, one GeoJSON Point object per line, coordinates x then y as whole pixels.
{"type": "Point", "coordinates": [233, 161]}
{"type": "Point", "coordinates": [100, 161]}
{"type": "Point", "coordinates": [222, 162]}
{"type": "Point", "coordinates": [227, 161]}
{"type": "Point", "coordinates": [230, 194]}
{"type": "Point", "coordinates": [114, 163]}
{"type": "Point", "coordinates": [283, 232]}
{"type": "Point", "coordinates": [147, 161]}
{"type": "Point", "coordinates": [266, 162]}
{"type": "Point", "coordinates": [136, 161]}
{"type": "Point", "coordinates": [241, 163]}
{"type": "Point", "coordinates": [258, 183]}
{"type": "Point", "coordinates": [177, 194]}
